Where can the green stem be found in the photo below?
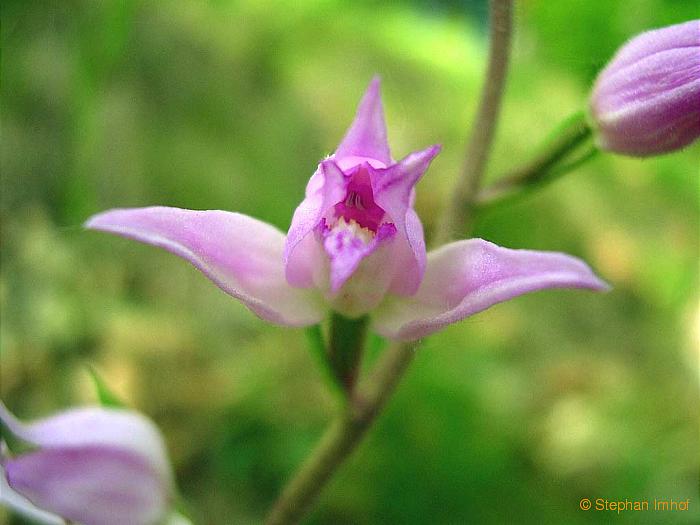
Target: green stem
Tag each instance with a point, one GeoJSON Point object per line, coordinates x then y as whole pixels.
{"type": "Point", "coordinates": [347, 341]}
{"type": "Point", "coordinates": [342, 436]}
{"type": "Point", "coordinates": [590, 153]}
{"type": "Point", "coordinates": [318, 347]}
{"type": "Point", "coordinates": [547, 164]}
{"type": "Point", "coordinates": [458, 215]}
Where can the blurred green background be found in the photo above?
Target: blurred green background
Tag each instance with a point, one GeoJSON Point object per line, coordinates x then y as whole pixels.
{"type": "Point", "coordinates": [512, 416]}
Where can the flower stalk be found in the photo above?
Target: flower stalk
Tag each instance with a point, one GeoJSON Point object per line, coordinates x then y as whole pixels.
{"type": "Point", "coordinates": [317, 345]}
{"type": "Point", "coordinates": [342, 436]}
{"type": "Point", "coordinates": [552, 160]}
{"type": "Point", "coordinates": [347, 339]}
{"type": "Point", "coordinates": [459, 213]}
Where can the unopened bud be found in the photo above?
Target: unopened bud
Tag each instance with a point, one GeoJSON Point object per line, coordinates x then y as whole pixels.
{"type": "Point", "coordinates": [647, 99]}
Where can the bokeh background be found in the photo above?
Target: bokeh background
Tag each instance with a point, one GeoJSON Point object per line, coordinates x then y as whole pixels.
{"type": "Point", "coordinates": [512, 416]}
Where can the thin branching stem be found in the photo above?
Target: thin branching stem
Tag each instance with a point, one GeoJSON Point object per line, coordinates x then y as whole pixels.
{"type": "Point", "coordinates": [560, 154]}
{"type": "Point", "coordinates": [459, 214]}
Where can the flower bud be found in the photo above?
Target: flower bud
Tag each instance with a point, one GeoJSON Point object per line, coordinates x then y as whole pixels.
{"type": "Point", "coordinates": [647, 99]}
{"type": "Point", "coordinates": [94, 466]}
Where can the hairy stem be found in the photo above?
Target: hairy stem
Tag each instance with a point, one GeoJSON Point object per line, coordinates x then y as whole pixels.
{"type": "Point", "coordinates": [458, 215]}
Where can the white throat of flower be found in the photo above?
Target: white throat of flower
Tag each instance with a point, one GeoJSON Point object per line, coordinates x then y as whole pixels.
{"type": "Point", "coordinates": [356, 231]}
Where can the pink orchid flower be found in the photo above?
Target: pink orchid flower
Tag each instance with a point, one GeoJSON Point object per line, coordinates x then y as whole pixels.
{"type": "Point", "coordinates": [355, 246]}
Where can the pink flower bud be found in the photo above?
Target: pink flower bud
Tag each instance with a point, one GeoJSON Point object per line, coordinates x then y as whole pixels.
{"type": "Point", "coordinates": [94, 466]}
{"type": "Point", "coordinates": [647, 99]}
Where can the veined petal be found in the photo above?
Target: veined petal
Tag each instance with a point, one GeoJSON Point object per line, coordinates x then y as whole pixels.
{"type": "Point", "coordinates": [326, 187]}
{"type": "Point", "coordinates": [91, 485]}
{"type": "Point", "coordinates": [393, 189]}
{"type": "Point", "coordinates": [367, 134]}
{"type": "Point", "coordinates": [677, 36]}
{"type": "Point", "coordinates": [15, 501]}
{"type": "Point", "coordinates": [651, 106]}
{"type": "Point", "coordinates": [466, 277]}
{"type": "Point", "coordinates": [646, 101]}
{"type": "Point", "coordinates": [241, 255]}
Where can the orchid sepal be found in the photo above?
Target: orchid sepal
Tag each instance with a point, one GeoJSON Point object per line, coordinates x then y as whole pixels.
{"type": "Point", "coordinates": [466, 277]}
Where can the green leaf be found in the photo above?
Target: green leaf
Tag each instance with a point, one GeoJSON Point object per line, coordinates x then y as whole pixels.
{"type": "Point", "coordinates": [104, 393]}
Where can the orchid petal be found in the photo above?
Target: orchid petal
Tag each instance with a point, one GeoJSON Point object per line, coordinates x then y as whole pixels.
{"type": "Point", "coordinates": [466, 277]}
{"type": "Point", "coordinates": [91, 485]}
{"type": "Point", "coordinates": [410, 257]}
{"type": "Point", "coordinates": [326, 187]}
{"type": "Point", "coordinates": [241, 255]}
{"type": "Point", "coordinates": [367, 135]}
{"type": "Point", "coordinates": [15, 501]}
{"type": "Point", "coordinates": [393, 189]}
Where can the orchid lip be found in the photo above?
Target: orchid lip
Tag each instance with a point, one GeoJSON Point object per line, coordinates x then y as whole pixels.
{"type": "Point", "coordinates": [347, 243]}
{"type": "Point", "coordinates": [356, 230]}
{"type": "Point", "coordinates": [354, 227]}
